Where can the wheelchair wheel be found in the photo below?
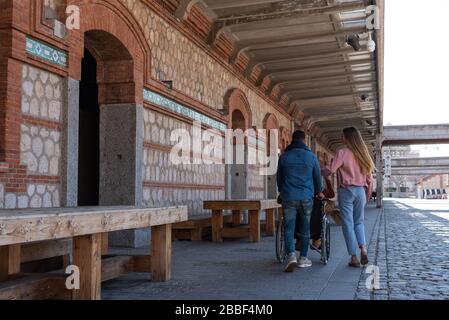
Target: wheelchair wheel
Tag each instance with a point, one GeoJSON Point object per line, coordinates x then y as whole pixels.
{"type": "Point", "coordinates": [280, 244]}
{"type": "Point", "coordinates": [326, 242]}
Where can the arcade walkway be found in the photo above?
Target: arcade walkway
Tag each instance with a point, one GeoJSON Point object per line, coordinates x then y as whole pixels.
{"type": "Point", "coordinates": [240, 270]}
{"type": "Point", "coordinates": [409, 242]}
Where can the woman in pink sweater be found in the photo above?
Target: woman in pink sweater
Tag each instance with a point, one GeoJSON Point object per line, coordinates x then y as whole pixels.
{"type": "Point", "coordinates": [354, 167]}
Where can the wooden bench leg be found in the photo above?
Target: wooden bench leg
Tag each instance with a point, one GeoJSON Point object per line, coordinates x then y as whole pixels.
{"type": "Point", "coordinates": [87, 257]}
{"type": "Point", "coordinates": [196, 234]}
{"type": "Point", "coordinates": [217, 225]}
{"type": "Point", "coordinates": [104, 244]}
{"type": "Point", "coordinates": [161, 251]}
{"type": "Point", "coordinates": [236, 218]}
{"type": "Point", "coordinates": [269, 226]}
{"type": "Point", "coordinates": [254, 226]}
{"type": "Point", "coordinates": [9, 261]}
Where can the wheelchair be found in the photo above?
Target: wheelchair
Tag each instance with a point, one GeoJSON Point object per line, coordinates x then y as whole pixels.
{"type": "Point", "coordinates": [320, 228]}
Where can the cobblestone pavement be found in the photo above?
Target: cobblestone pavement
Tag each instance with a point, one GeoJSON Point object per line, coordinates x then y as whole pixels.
{"type": "Point", "coordinates": [410, 245]}
{"type": "Point", "coordinates": [239, 270]}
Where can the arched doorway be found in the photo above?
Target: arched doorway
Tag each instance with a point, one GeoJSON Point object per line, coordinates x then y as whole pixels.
{"type": "Point", "coordinates": [108, 124]}
{"type": "Point", "coordinates": [271, 123]}
{"type": "Point", "coordinates": [239, 170]}
{"type": "Point", "coordinates": [237, 184]}
{"type": "Point", "coordinates": [110, 130]}
{"type": "Point", "coordinates": [89, 134]}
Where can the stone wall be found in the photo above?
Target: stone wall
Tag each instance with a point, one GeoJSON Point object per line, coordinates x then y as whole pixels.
{"type": "Point", "coordinates": [40, 140]}
{"type": "Point", "coordinates": [193, 71]}
{"type": "Point", "coordinates": [167, 184]}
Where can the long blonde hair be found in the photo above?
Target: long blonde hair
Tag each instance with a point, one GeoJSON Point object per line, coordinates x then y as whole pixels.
{"type": "Point", "coordinates": [355, 143]}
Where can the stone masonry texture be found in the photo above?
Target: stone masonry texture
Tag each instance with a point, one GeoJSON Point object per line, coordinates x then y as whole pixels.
{"type": "Point", "coordinates": [410, 247]}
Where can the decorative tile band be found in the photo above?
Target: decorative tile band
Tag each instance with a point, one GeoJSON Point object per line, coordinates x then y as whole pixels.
{"type": "Point", "coordinates": [175, 107]}
{"type": "Point", "coordinates": [46, 52]}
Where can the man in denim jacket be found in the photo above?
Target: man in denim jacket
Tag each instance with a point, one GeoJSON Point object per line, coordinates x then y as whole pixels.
{"type": "Point", "coordinates": [299, 181]}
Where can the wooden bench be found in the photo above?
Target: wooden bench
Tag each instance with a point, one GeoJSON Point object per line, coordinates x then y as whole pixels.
{"type": "Point", "coordinates": [254, 207]}
{"type": "Point", "coordinates": [195, 229]}
{"type": "Point", "coordinates": [86, 228]}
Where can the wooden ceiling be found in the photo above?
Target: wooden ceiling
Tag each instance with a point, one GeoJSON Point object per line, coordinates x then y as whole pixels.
{"type": "Point", "coordinates": [295, 53]}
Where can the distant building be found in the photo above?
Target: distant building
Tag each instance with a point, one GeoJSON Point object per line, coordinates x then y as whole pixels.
{"type": "Point", "coordinates": [435, 186]}
{"type": "Point", "coordinates": [401, 186]}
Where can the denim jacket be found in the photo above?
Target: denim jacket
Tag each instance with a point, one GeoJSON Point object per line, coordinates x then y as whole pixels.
{"type": "Point", "coordinates": [299, 173]}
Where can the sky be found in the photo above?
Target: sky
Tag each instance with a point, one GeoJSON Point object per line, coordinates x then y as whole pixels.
{"type": "Point", "coordinates": [416, 65]}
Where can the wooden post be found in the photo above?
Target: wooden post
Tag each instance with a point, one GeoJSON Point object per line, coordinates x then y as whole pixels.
{"type": "Point", "coordinates": [254, 225]}
{"type": "Point", "coordinates": [217, 225]}
{"type": "Point", "coordinates": [236, 218]}
{"type": "Point", "coordinates": [269, 226]}
{"type": "Point", "coordinates": [196, 234]}
{"type": "Point", "coordinates": [87, 257]}
{"type": "Point", "coordinates": [161, 251]}
{"type": "Point", "coordinates": [104, 244]}
{"type": "Point", "coordinates": [9, 261]}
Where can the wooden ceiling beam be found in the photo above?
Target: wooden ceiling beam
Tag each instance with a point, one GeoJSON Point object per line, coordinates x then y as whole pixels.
{"type": "Point", "coordinates": [327, 87]}
{"type": "Point", "coordinates": [311, 68]}
{"type": "Point", "coordinates": [303, 102]}
{"type": "Point", "coordinates": [289, 8]}
{"type": "Point", "coordinates": [317, 55]}
{"type": "Point", "coordinates": [220, 5]}
{"type": "Point", "coordinates": [301, 79]}
{"type": "Point", "coordinates": [319, 84]}
{"type": "Point", "coordinates": [243, 46]}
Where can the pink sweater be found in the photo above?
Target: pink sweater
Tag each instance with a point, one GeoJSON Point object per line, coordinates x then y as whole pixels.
{"type": "Point", "coordinates": [348, 171]}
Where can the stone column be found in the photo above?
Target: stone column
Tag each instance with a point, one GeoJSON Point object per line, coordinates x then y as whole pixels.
{"type": "Point", "coordinates": [121, 143]}
{"type": "Point", "coordinates": [70, 144]}
{"type": "Point", "coordinates": [418, 192]}
{"type": "Point", "coordinates": [379, 175]}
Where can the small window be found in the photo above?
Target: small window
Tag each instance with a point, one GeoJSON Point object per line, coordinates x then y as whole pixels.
{"type": "Point", "coordinates": [55, 9]}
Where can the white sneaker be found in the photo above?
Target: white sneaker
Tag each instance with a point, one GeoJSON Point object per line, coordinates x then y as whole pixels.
{"type": "Point", "coordinates": [304, 263]}
{"type": "Point", "coordinates": [292, 262]}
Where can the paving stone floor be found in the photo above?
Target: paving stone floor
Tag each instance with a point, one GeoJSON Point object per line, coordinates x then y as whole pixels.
{"type": "Point", "coordinates": [410, 245]}
{"type": "Point", "coordinates": [239, 270]}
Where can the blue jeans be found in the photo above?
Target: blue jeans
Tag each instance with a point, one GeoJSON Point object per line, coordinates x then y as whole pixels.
{"type": "Point", "coordinates": [352, 201]}
{"type": "Point", "coordinates": [303, 211]}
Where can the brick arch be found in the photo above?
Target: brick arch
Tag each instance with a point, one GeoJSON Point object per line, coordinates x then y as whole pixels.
{"type": "Point", "coordinates": [113, 18]}
{"type": "Point", "coordinates": [270, 122]}
{"type": "Point", "coordinates": [235, 100]}
{"type": "Point", "coordinates": [285, 136]}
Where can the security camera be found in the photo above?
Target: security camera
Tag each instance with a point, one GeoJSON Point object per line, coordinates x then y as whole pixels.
{"type": "Point", "coordinates": [371, 46]}
{"type": "Point", "coordinates": [354, 41]}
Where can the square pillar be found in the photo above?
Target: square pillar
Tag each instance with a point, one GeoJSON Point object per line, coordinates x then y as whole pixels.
{"type": "Point", "coordinates": [380, 169]}
{"type": "Point", "coordinates": [70, 145]}
{"type": "Point", "coordinates": [121, 143]}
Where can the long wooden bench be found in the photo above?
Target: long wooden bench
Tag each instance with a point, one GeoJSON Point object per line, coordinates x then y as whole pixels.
{"type": "Point", "coordinates": [253, 230]}
{"type": "Point", "coordinates": [196, 229]}
{"type": "Point", "coordinates": [86, 228]}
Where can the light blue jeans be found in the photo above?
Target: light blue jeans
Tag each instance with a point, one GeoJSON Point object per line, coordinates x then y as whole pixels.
{"type": "Point", "coordinates": [293, 210]}
{"type": "Point", "coordinates": [352, 202]}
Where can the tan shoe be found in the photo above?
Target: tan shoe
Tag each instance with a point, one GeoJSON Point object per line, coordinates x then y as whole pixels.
{"type": "Point", "coordinates": [354, 263]}
{"type": "Point", "coordinates": [316, 244]}
{"type": "Point", "coordinates": [364, 258]}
